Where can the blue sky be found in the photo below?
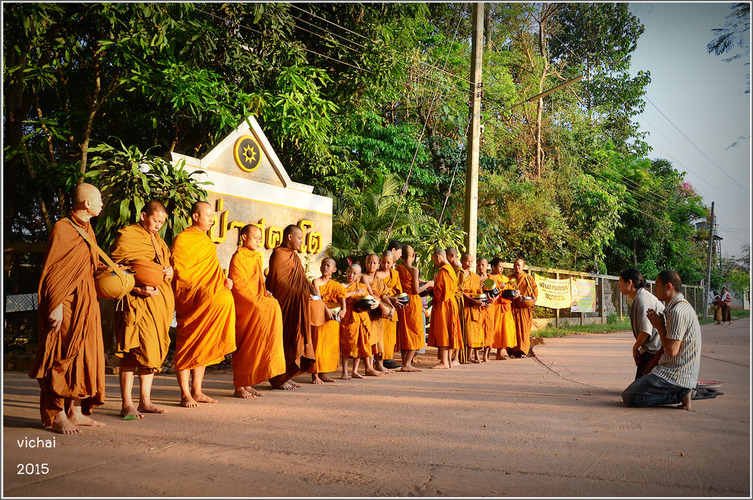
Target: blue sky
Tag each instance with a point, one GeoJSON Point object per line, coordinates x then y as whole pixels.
{"type": "Point", "coordinates": [704, 97]}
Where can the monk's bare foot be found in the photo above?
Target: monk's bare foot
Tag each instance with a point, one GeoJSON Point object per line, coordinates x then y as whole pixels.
{"type": "Point", "coordinates": [475, 360]}
{"type": "Point", "coordinates": [441, 366]}
{"type": "Point", "coordinates": [284, 387]}
{"type": "Point", "coordinates": [62, 425]}
{"type": "Point", "coordinates": [384, 370]}
{"type": "Point", "coordinates": [241, 392]}
{"type": "Point", "coordinates": [374, 373]}
{"type": "Point", "coordinates": [357, 375]}
{"type": "Point", "coordinates": [200, 397]}
{"type": "Point", "coordinates": [149, 407]}
{"type": "Point", "coordinates": [344, 376]}
{"type": "Point", "coordinates": [315, 379]}
{"type": "Point", "coordinates": [253, 391]}
{"type": "Point", "coordinates": [409, 368]}
{"type": "Point", "coordinates": [130, 410]}
{"type": "Point", "coordinates": [502, 357]}
{"type": "Point", "coordinates": [326, 378]}
{"type": "Point", "coordinates": [188, 402]}
{"type": "Point", "coordinates": [82, 419]}
{"type": "Point", "coordinates": [294, 384]}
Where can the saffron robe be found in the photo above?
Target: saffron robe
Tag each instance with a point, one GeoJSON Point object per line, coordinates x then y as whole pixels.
{"type": "Point", "coordinates": [444, 326]}
{"type": "Point", "coordinates": [462, 355]}
{"type": "Point", "coordinates": [356, 333]}
{"type": "Point", "coordinates": [142, 327]}
{"type": "Point", "coordinates": [378, 323]}
{"type": "Point", "coordinates": [327, 336]}
{"type": "Point", "coordinates": [488, 317]}
{"type": "Point", "coordinates": [523, 316]}
{"type": "Point", "coordinates": [394, 287]}
{"type": "Point", "coordinates": [69, 363]}
{"type": "Point", "coordinates": [504, 324]}
{"type": "Point", "coordinates": [473, 320]}
{"type": "Point", "coordinates": [259, 353]}
{"type": "Point", "coordinates": [287, 281]}
{"type": "Point", "coordinates": [204, 305]}
{"type": "Point", "coordinates": [410, 326]}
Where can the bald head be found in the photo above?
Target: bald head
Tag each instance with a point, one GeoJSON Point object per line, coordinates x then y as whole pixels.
{"type": "Point", "coordinates": [198, 206]}
{"type": "Point", "coordinates": [440, 252]}
{"type": "Point", "coordinates": [154, 207]}
{"type": "Point", "coordinates": [83, 192]}
{"type": "Point", "coordinates": [250, 230]}
{"type": "Point", "coordinates": [87, 201]}
{"type": "Point", "coordinates": [292, 237]}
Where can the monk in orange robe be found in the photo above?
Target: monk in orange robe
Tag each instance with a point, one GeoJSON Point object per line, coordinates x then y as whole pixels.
{"type": "Point", "coordinates": [327, 336]}
{"type": "Point", "coordinates": [204, 306]}
{"type": "Point", "coordinates": [70, 362]}
{"type": "Point", "coordinates": [504, 325]}
{"type": "Point", "coordinates": [474, 328]}
{"type": "Point", "coordinates": [523, 316]}
{"type": "Point", "coordinates": [410, 326]}
{"type": "Point", "coordinates": [142, 327]}
{"type": "Point", "coordinates": [488, 314]}
{"type": "Point", "coordinates": [357, 337]}
{"type": "Point", "coordinates": [259, 353]}
{"type": "Point", "coordinates": [459, 355]}
{"type": "Point", "coordinates": [444, 326]}
{"type": "Point", "coordinates": [287, 281]}
{"type": "Point", "coordinates": [393, 287]}
{"type": "Point", "coordinates": [381, 317]}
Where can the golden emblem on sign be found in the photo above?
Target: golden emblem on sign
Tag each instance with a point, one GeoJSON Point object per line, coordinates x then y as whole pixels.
{"type": "Point", "coordinates": [247, 153]}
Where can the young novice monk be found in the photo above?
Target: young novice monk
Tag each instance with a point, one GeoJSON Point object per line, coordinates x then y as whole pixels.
{"type": "Point", "coordinates": [380, 318]}
{"type": "Point", "coordinates": [327, 336]}
{"type": "Point", "coordinates": [487, 314]}
{"type": "Point", "coordinates": [410, 327]}
{"type": "Point", "coordinates": [356, 333]}
{"type": "Point", "coordinates": [474, 328]}
{"type": "Point", "coordinates": [392, 287]}
{"type": "Point", "coordinates": [504, 324]}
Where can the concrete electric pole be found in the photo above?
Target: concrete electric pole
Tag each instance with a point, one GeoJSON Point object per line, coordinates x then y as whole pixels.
{"type": "Point", "coordinates": [474, 132]}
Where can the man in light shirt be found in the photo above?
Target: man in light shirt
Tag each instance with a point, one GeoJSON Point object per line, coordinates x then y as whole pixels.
{"type": "Point", "coordinates": [672, 380]}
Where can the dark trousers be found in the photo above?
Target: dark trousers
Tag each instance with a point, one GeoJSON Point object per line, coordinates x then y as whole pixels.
{"type": "Point", "coordinates": [652, 390]}
{"type": "Point", "coordinates": [643, 361]}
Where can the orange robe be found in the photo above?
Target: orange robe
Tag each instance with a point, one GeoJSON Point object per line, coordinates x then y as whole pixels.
{"type": "Point", "coordinates": [69, 363]}
{"type": "Point", "coordinates": [287, 281]}
{"type": "Point", "coordinates": [356, 334]}
{"type": "Point", "coordinates": [327, 336]}
{"type": "Point", "coordinates": [378, 323]}
{"type": "Point", "coordinates": [523, 316]}
{"type": "Point", "coordinates": [259, 355]}
{"type": "Point", "coordinates": [488, 317]}
{"type": "Point", "coordinates": [204, 305]}
{"type": "Point", "coordinates": [474, 328]}
{"type": "Point", "coordinates": [142, 327]}
{"type": "Point", "coordinates": [410, 325]}
{"type": "Point", "coordinates": [504, 324]}
{"type": "Point", "coordinates": [392, 282]}
{"type": "Point", "coordinates": [444, 327]}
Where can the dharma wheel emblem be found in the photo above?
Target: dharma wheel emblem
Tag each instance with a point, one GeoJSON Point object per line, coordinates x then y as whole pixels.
{"type": "Point", "coordinates": [247, 153]}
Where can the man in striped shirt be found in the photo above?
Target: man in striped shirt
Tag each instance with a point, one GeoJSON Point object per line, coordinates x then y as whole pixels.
{"type": "Point", "coordinates": [674, 377]}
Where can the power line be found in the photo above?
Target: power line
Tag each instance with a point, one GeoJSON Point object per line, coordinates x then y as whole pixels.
{"type": "Point", "coordinates": [737, 183]}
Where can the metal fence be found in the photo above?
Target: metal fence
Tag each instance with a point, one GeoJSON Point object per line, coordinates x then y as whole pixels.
{"type": "Point", "coordinates": [609, 300]}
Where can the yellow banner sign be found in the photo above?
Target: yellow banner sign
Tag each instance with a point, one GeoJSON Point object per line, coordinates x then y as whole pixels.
{"type": "Point", "coordinates": [583, 294]}
{"type": "Point", "coordinates": [553, 293]}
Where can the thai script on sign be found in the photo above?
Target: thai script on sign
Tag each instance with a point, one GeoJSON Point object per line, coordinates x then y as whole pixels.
{"type": "Point", "coordinates": [272, 235]}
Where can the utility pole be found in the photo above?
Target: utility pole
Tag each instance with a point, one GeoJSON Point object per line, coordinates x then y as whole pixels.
{"type": "Point", "coordinates": [471, 173]}
{"type": "Point", "coordinates": [708, 263]}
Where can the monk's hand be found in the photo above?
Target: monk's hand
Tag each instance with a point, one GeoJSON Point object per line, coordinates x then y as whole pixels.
{"type": "Point", "coordinates": [168, 270]}
{"type": "Point", "coordinates": [229, 283]}
{"type": "Point", "coordinates": [342, 313]}
{"type": "Point", "coordinates": [269, 294]}
{"type": "Point", "coordinates": [146, 291]}
{"type": "Point", "coordinates": [56, 317]}
{"type": "Point", "coordinates": [430, 284]}
{"type": "Point", "coordinates": [328, 314]}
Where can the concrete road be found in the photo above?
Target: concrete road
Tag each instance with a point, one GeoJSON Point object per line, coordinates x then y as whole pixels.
{"type": "Point", "coordinates": [547, 426]}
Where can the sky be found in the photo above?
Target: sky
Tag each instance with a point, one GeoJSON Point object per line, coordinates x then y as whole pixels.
{"type": "Point", "coordinates": [704, 97]}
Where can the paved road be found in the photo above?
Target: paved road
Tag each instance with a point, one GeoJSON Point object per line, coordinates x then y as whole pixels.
{"type": "Point", "coordinates": [550, 426]}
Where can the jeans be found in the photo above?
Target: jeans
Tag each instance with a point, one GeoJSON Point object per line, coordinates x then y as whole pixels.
{"type": "Point", "coordinates": [652, 390]}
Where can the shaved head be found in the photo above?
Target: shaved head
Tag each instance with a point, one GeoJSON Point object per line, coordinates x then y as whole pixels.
{"type": "Point", "coordinates": [84, 192]}
{"type": "Point", "coordinates": [440, 251]}
{"type": "Point", "coordinates": [196, 207]}
{"type": "Point", "coordinates": [250, 229]}
{"type": "Point", "coordinates": [291, 229]}
{"type": "Point", "coordinates": [154, 207]}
